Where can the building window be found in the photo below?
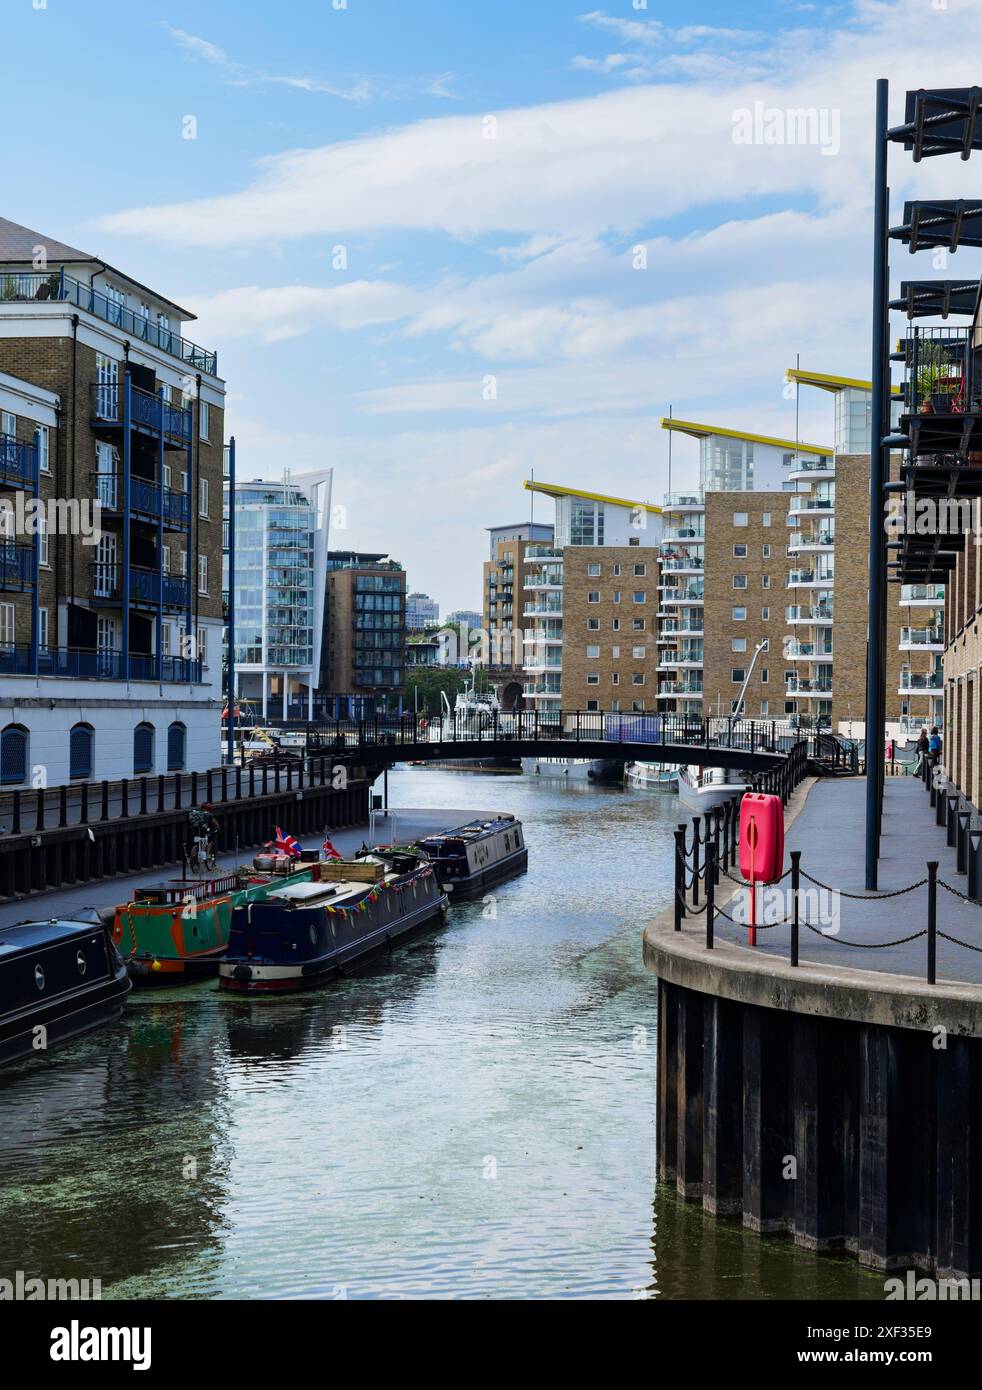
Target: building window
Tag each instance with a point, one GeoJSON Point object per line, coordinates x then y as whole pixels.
{"type": "Point", "coordinates": [593, 624]}
{"type": "Point", "coordinates": [202, 574]}
{"type": "Point", "coordinates": [764, 675]}
{"type": "Point", "coordinates": [43, 442]}
{"type": "Point", "coordinates": [615, 678]}
{"type": "Point", "coordinates": [737, 675]}
{"type": "Point", "coordinates": [739, 615]}
{"type": "Point", "coordinates": [615, 652]}
{"type": "Point", "coordinates": [638, 653]}
{"type": "Point", "coordinates": [637, 678]}
{"type": "Point", "coordinates": [740, 519]}
{"type": "Point", "coordinates": [203, 420]}
{"type": "Point", "coordinates": [638, 624]}
{"type": "Point", "coordinates": [593, 596]}
{"type": "Point", "coordinates": [8, 424]}
{"type": "Point", "coordinates": [617, 570]}
{"type": "Point", "coordinates": [616, 624]}
{"type": "Point", "coordinates": [177, 736]}
{"type": "Point", "coordinates": [765, 706]}
{"type": "Point", "coordinates": [6, 626]}
{"type": "Point", "coordinates": [739, 581]}
{"type": "Point", "coordinates": [203, 498]}
{"type": "Point", "coordinates": [765, 615]}
{"type": "Point", "coordinates": [43, 541]}
{"type": "Point", "coordinates": [765, 551]}
{"type": "Point", "coordinates": [43, 629]}
{"type": "Point", "coordinates": [202, 644]}
{"type": "Point", "coordinates": [593, 570]}
{"type": "Point", "coordinates": [592, 706]}
{"type": "Point", "coordinates": [615, 705]}
{"type": "Point", "coordinates": [738, 644]}
{"type": "Point", "coordinates": [593, 652]}
{"type": "Point", "coordinates": [165, 552]}
{"type": "Point", "coordinates": [593, 678]}
{"type": "Point", "coordinates": [617, 595]}
{"type": "Point", "coordinates": [80, 743]}
{"type": "Point", "coordinates": [640, 596]}
{"type": "Point", "coordinates": [765, 519]}
{"type": "Point", "coordinates": [13, 754]}
{"type": "Point", "coordinates": [640, 571]}
{"type": "Point", "coordinates": [739, 552]}
{"type": "Point", "coordinates": [765, 581]}
{"type": "Point", "coordinates": [143, 748]}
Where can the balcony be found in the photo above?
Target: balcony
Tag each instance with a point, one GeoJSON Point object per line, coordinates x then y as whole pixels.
{"type": "Point", "coordinates": [807, 651]}
{"type": "Point", "coordinates": [72, 663]}
{"type": "Point", "coordinates": [691, 534]}
{"type": "Point", "coordinates": [683, 501]}
{"type": "Point", "coordinates": [811, 470]}
{"type": "Point", "coordinates": [538, 665]}
{"type": "Point", "coordinates": [538, 582]}
{"type": "Point", "coordinates": [545, 608]}
{"type": "Point", "coordinates": [145, 499]}
{"type": "Point", "coordinates": [803, 505]}
{"type": "Point", "coordinates": [926, 682]}
{"type": "Point", "coordinates": [16, 566]}
{"type": "Point", "coordinates": [18, 463]}
{"type": "Point", "coordinates": [681, 661]}
{"type": "Point", "coordinates": [941, 392]}
{"type": "Point", "coordinates": [542, 552]}
{"type": "Point", "coordinates": [815, 540]}
{"type": "Point", "coordinates": [148, 413]}
{"type": "Point", "coordinates": [819, 687]}
{"type": "Point", "coordinates": [818, 615]}
{"type": "Point", "coordinates": [922, 595]}
{"type": "Point", "coordinates": [927, 639]}
{"type": "Point", "coordinates": [61, 288]}
{"type": "Point", "coordinates": [687, 593]}
{"type": "Point", "coordinates": [147, 587]}
{"type": "Point", "coordinates": [682, 564]}
{"type": "Point", "coordinates": [811, 579]}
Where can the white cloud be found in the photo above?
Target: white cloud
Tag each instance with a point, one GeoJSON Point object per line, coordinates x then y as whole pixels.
{"type": "Point", "coordinates": [273, 314]}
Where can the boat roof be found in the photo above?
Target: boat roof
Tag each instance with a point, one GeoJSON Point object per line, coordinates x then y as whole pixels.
{"type": "Point", "coordinates": [27, 935]}
{"type": "Point", "coordinates": [473, 830]}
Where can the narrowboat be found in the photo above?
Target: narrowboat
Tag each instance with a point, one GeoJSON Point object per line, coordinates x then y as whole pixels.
{"type": "Point", "coordinates": [575, 769]}
{"type": "Point", "coordinates": [704, 788]}
{"type": "Point", "coordinates": [301, 935]}
{"type": "Point", "coordinates": [58, 979]}
{"type": "Point", "coordinates": [471, 858]}
{"type": "Point", "coordinates": [175, 933]}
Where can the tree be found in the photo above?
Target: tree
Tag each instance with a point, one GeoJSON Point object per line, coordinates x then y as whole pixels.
{"type": "Point", "coordinates": [429, 681]}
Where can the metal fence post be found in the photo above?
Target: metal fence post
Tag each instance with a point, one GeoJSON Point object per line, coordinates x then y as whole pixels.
{"type": "Point", "coordinates": [695, 861]}
{"type": "Point", "coordinates": [961, 848]}
{"type": "Point", "coordinates": [710, 893]}
{"type": "Point", "coordinates": [932, 921]}
{"type": "Point", "coordinates": [795, 885]}
{"type": "Point", "coordinates": [679, 877]}
{"type": "Point", "coordinates": [975, 864]}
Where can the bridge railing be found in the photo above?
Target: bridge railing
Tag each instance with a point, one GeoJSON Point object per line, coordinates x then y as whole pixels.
{"type": "Point", "coordinates": [535, 726]}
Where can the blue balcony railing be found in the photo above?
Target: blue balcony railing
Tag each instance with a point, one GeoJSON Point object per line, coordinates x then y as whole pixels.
{"type": "Point", "coordinates": [146, 586]}
{"type": "Point", "coordinates": [144, 497]}
{"type": "Point", "coordinates": [146, 409]}
{"type": "Point", "coordinates": [18, 462]}
{"type": "Point", "coordinates": [16, 565]}
{"type": "Point", "coordinates": [72, 663]}
{"type": "Point", "coordinates": [55, 285]}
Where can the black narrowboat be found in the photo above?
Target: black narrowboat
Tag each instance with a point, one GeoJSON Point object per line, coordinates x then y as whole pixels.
{"type": "Point", "coordinates": [58, 979]}
{"type": "Point", "coordinates": [305, 934]}
{"type": "Point", "coordinates": [474, 857]}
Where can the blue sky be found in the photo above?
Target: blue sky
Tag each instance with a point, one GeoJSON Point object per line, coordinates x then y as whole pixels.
{"type": "Point", "coordinates": [489, 316]}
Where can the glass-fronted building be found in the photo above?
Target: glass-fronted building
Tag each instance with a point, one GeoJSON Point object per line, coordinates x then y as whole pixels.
{"type": "Point", "coordinates": [278, 599]}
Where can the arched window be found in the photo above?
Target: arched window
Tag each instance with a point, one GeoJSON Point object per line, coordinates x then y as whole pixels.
{"type": "Point", "coordinates": [80, 742]}
{"type": "Point", "coordinates": [143, 748]}
{"type": "Point", "coordinates": [13, 754]}
{"type": "Point", "coordinates": [177, 736]}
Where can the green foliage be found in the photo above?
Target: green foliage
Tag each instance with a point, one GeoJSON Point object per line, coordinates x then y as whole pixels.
{"type": "Point", "coordinates": [429, 681]}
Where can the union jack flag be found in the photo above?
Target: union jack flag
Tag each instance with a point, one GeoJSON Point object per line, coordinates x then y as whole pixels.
{"type": "Point", "coordinates": [328, 849]}
{"type": "Point", "coordinates": [286, 844]}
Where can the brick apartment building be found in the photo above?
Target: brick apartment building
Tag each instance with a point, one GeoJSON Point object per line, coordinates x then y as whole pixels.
{"type": "Point", "coordinates": [362, 668]}
{"type": "Point", "coordinates": [503, 588]}
{"type": "Point", "coordinates": [111, 651]}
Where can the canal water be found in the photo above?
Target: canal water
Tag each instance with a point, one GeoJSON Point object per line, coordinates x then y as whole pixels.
{"type": "Point", "coordinates": [473, 1118]}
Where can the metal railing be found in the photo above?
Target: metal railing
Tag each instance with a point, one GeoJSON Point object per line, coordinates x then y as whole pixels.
{"type": "Point", "coordinates": [77, 663]}
{"type": "Point", "coordinates": [57, 286]}
{"type": "Point", "coordinates": [18, 461]}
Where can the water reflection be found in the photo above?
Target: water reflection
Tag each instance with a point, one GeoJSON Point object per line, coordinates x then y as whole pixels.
{"type": "Point", "coordinates": [472, 1117]}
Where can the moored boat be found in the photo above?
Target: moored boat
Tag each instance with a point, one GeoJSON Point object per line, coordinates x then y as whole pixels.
{"type": "Point", "coordinates": [703, 788]}
{"type": "Point", "coordinates": [176, 932]}
{"type": "Point", "coordinates": [653, 776]}
{"type": "Point", "coordinates": [575, 769]}
{"type": "Point", "coordinates": [301, 935]}
{"type": "Point", "coordinates": [474, 856]}
{"type": "Point", "coordinates": [58, 979]}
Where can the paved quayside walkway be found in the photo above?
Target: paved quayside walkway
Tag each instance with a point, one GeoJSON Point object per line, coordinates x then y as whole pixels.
{"type": "Point", "coordinates": [400, 826]}
{"type": "Point", "coordinates": [829, 830]}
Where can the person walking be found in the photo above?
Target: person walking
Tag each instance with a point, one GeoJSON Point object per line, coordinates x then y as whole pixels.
{"type": "Point", "coordinates": [934, 747]}
{"type": "Point", "coordinates": [922, 749]}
